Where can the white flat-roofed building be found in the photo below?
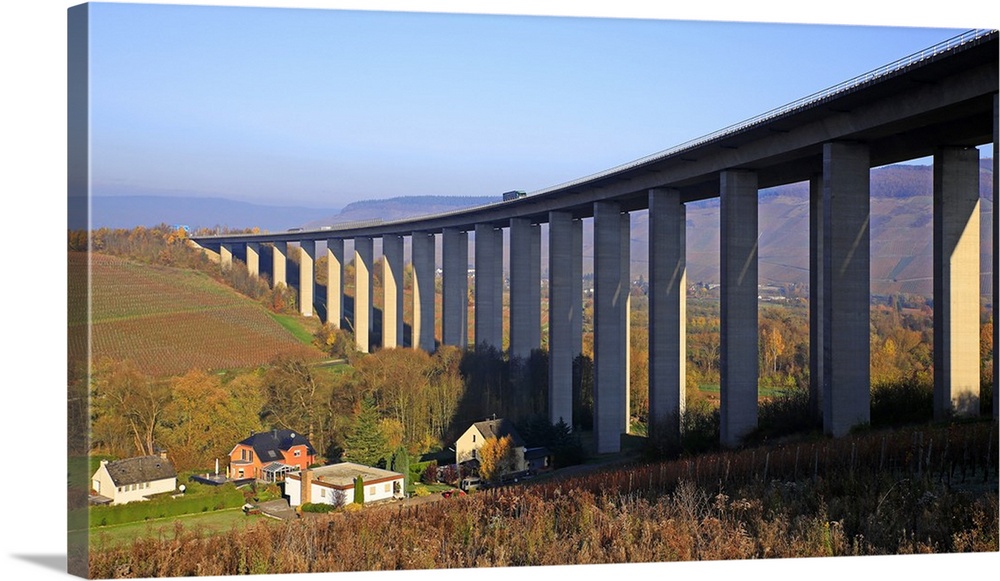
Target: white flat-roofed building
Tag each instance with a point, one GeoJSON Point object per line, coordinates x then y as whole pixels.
{"type": "Point", "coordinates": [334, 484]}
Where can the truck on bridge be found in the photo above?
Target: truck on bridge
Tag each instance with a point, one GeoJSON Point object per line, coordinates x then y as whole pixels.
{"type": "Point", "coordinates": [513, 195]}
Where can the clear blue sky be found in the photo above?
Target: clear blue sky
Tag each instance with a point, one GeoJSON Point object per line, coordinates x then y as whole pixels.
{"type": "Point", "coordinates": [325, 107]}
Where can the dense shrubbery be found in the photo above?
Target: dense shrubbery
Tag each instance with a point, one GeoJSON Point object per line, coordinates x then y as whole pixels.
{"type": "Point", "coordinates": [319, 508]}
{"type": "Point", "coordinates": [226, 496]}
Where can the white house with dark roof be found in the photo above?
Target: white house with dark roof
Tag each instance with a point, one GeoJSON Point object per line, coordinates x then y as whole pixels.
{"type": "Point", "coordinates": [132, 479]}
{"type": "Point", "coordinates": [334, 484]}
{"type": "Point", "coordinates": [468, 444]}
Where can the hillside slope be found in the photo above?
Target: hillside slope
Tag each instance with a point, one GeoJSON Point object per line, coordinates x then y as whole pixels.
{"type": "Point", "coordinates": [168, 320]}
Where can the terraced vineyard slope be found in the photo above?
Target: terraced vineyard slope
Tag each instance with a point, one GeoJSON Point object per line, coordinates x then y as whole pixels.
{"type": "Point", "coordinates": [169, 320]}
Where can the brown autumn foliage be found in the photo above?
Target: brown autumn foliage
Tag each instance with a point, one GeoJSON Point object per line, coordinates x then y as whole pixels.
{"type": "Point", "coordinates": [899, 492]}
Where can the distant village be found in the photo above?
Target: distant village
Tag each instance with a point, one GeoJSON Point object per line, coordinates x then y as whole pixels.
{"type": "Point", "coordinates": [287, 459]}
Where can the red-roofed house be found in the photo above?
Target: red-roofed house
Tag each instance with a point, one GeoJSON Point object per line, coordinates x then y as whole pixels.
{"type": "Point", "coordinates": [270, 455]}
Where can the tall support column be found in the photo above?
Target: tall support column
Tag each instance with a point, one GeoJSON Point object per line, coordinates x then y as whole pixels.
{"type": "Point", "coordinates": [816, 369]}
{"type": "Point", "coordinates": [738, 365]}
{"type": "Point", "coordinates": [253, 259]}
{"type": "Point", "coordinates": [423, 291]}
{"type": "Point", "coordinates": [455, 287]}
{"type": "Point", "coordinates": [362, 292]}
{"type": "Point", "coordinates": [956, 282]}
{"type": "Point", "coordinates": [335, 281]}
{"type": "Point", "coordinates": [279, 262]}
{"type": "Point", "coordinates": [610, 292]}
{"type": "Point", "coordinates": [525, 302]}
{"type": "Point", "coordinates": [996, 255]}
{"type": "Point", "coordinates": [307, 258]}
{"type": "Point", "coordinates": [576, 294]}
{"type": "Point", "coordinates": [625, 263]}
{"type": "Point", "coordinates": [667, 312]}
{"type": "Point", "coordinates": [392, 291]}
{"type": "Point", "coordinates": [489, 286]}
{"type": "Point", "coordinates": [226, 255]}
{"type": "Point", "coordinates": [846, 287]}
{"type": "Point", "coordinates": [535, 288]}
{"type": "Point", "coordinates": [564, 313]}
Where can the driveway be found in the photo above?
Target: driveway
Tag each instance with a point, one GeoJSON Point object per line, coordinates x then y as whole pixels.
{"type": "Point", "coordinates": [277, 509]}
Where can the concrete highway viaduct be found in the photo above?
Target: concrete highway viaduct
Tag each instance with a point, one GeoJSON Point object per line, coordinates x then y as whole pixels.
{"type": "Point", "coordinates": [941, 102]}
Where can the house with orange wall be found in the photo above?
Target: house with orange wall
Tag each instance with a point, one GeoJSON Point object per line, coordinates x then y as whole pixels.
{"type": "Point", "coordinates": [268, 456]}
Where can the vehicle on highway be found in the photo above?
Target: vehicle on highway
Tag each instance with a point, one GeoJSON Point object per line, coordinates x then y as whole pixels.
{"type": "Point", "coordinates": [513, 195]}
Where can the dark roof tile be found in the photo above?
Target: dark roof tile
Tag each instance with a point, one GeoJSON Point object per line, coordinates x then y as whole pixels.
{"type": "Point", "coordinates": [140, 469]}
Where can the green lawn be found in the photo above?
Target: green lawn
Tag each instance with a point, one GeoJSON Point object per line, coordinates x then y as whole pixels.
{"type": "Point", "coordinates": [762, 391]}
{"type": "Point", "coordinates": [209, 523]}
{"type": "Point", "coordinates": [293, 323]}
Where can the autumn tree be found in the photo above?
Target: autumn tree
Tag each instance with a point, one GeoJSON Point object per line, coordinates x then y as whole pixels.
{"type": "Point", "coordinates": [127, 408]}
{"type": "Point", "coordinates": [206, 416]}
{"type": "Point", "coordinates": [400, 379]}
{"type": "Point", "coordinates": [295, 397]}
{"type": "Point", "coordinates": [496, 457]}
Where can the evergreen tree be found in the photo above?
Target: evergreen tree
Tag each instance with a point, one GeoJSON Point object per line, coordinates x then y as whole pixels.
{"type": "Point", "coordinates": [366, 444]}
{"type": "Point", "coordinates": [359, 491]}
{"type": "Point", "coordinates": [401, 464]}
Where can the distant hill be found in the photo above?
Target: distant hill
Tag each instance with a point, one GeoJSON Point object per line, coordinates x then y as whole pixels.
{"type": "Point", "coordinates": [900, 227]}
{"type": "Point", "coordinates": [168, 320]}
{"type": "Point", "coordinates": [901, 233]}
{"type": "Point", "coordinates": [399, 208]}
{"type": "Point", "coordinates": [132, 211]}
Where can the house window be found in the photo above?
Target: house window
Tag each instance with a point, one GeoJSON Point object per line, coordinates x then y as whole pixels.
{"type": "Point", "coordinates": [387, 487]}
{"type": "Point", "coordinates": [241, 472]}
{"type": "Point", "coordinates": [322, 493]}
{"type": "Point", "coordinates": [473, 438]}
{"type": "Point", "coordinates": [298, 453]}
{"type": "Point", "coordinates": [371, 490]}
{"type": "Point", "coordinates": [121, 489]}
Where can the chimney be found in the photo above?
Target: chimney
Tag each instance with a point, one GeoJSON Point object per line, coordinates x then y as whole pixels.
{"type": "Point", "coordinates": [163, 454]}
{"type": "Point", "coordinates": [307, 479]}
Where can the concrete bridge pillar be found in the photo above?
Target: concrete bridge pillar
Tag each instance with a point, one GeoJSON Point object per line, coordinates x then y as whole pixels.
{"type": "Point", "coordinates": [423, 290]}
{"type": "Point", "coordinates": [307, 257]}
{"type": "Point", "coordinates": [525, 281]}
{"type": "Point", "coordinates": [667, 312]}
{"type": "Point", "coordinates": [996, 255]}
{"type": "Point", "coordinates": [226, 255]}
{"type": "Point", "coordinates": [363, 292]}
{"type": "Point", "coordinates": [392, 291]}
{"type": "Point", "coordinates": [738, 365]}
{"type": "Point", "coordinates": [455, 287]}
{"type": "Point", "coordinates": [565, 311]}
{"type": "Point", "coordinates": [817, 371]}
{"type": "Point", "coordinates": [846, 287]}
{"type": "Point", "coordinates": [610, 294]}
{"type": "Point", "coordinates": [956, 282]}
{"type": "Point", "coordinates": [335, 281]}
{"type": "Point", "coordinates": [253, 259]}
{"type": "Point", "coordinates": [625, 344]}
{"type": "Point", "coordinates": [489, 286]}
{"type": "Point", "coordinates": [279, 262]}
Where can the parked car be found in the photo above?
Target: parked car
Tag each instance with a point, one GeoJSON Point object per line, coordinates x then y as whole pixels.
{"type": "Point", "coordinates": [471, 483]}
{"type": "Point", "coordinates": [453, 492]}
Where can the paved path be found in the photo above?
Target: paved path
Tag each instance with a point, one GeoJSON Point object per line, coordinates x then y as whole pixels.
{"type": "Point", "coordinates": [277, 509]}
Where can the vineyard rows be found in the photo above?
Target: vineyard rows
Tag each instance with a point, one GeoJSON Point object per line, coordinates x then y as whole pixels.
{"type": "Point", "coordinates": [170, 320]}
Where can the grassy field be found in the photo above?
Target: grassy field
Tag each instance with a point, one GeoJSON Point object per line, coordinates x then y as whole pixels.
{"type": "Point", "coordinates": [297, 327]}
{"type": "Point", "coordinates": [205, 524]}
{"type": "Point", "coordinates": [169, 320]}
